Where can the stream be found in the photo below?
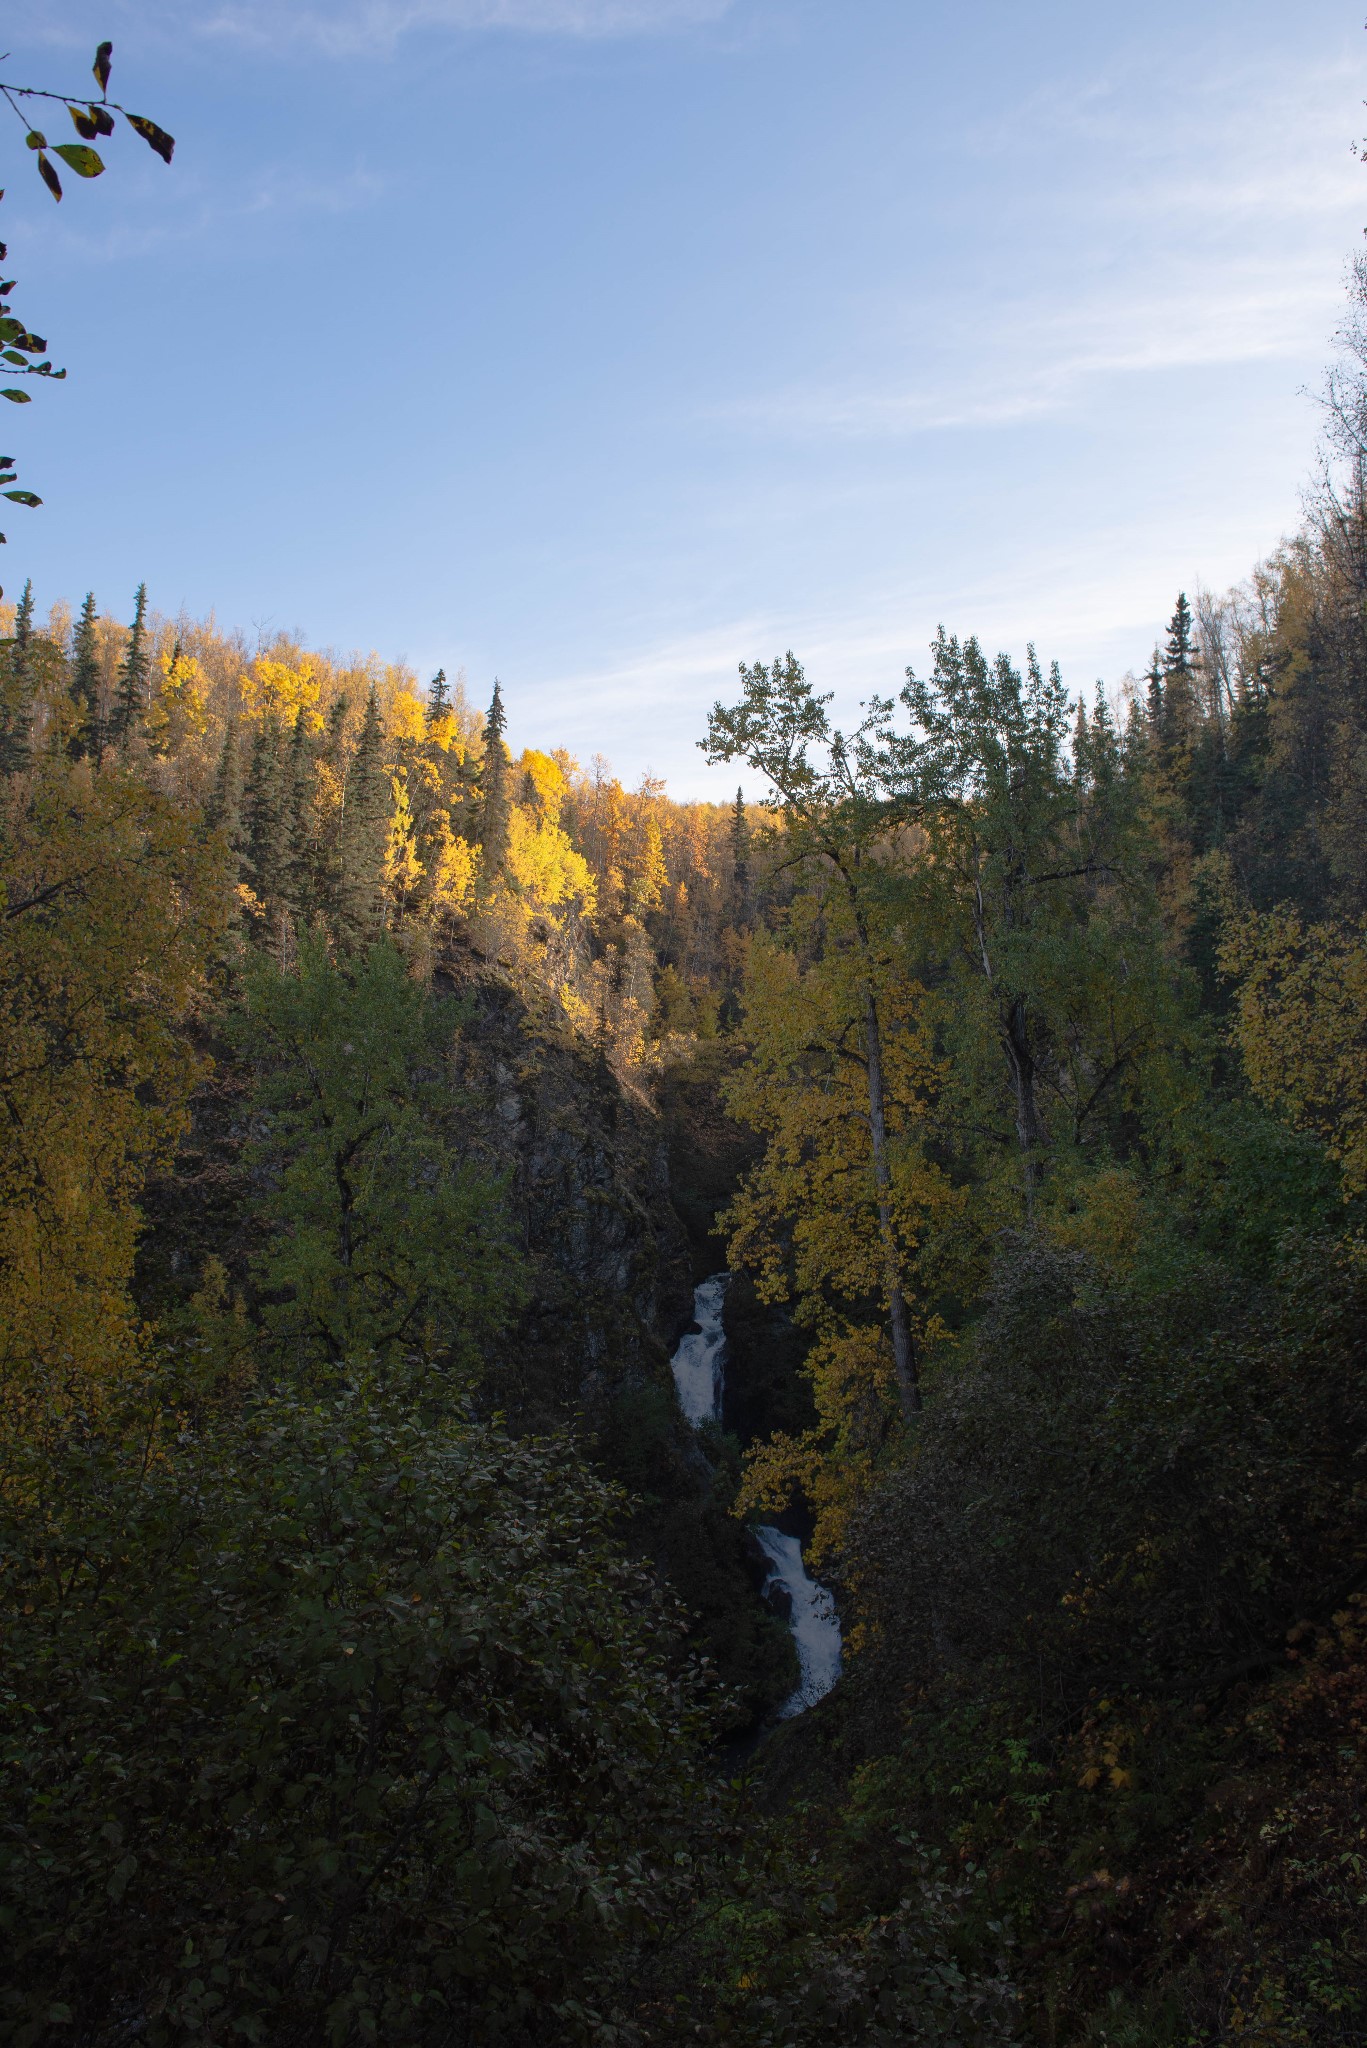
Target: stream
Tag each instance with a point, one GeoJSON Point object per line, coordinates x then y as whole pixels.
{"type": "Point", "coordinates": [699, 1367]}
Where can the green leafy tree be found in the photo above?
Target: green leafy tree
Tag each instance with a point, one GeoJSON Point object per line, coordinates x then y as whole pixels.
{"type": "Point", "coordinates": [1030, 886]}
{"type": "Point", "coordinates": [345, 1721]}
{"type": "Point", "coordinates": [835, 819]}
{"type": "Point", "coordinates": [383, 1239]}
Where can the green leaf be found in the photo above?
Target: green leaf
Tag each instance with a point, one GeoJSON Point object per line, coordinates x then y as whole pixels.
{"type": "Point", "coordinates": [36, 139]}
{"type": "Point", "coordinates": [18, 397]}
{"type": "Point", "coordinates": [86, 163]}
{"type": "Point", "coordinates": [101, 66]}
{"type": "Point", "coordinates": [23, 498]}
{"type": "Point", "coordinates": [155, 138]}
{"type": "Point", "coordinates": [49, 175]}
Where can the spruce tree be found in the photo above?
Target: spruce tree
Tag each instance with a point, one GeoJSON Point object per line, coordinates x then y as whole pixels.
{"type": "Point", "coordinates": [223, 812]}
{"type": "Point", "coordinates": [438, 697]}
{"type": "Point", "coordinates": [740, 857]}
{"type": "Point", "coordinates": [16, 711]}
{"type": "Point", "coordinates": [327, 854]}
{"type": "Point", "coordinates": [1180, 664]}
{"type": "Point", "coordinates": [130, 696]}
{"type": "Point", "coordinates": [23, 620]}
{"type": "Point", "coordinates": [493, 821]}
{"type": "Point", "coordinates": [299, 820]}
{"type": "Point", "coordinates": [87, 737]}
{"type": "Point", "coordinates": [265, 819]}
{"type": "Point", "coordinates": [364, 823]}
{"type": "Point", "coordinates": [1154, 678]}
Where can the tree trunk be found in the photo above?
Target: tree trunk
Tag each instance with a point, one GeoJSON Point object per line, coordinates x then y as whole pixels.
{"type": "Point", "coordinates": [1030, 1135]}
{"type": "Point", "coordinates": [903, 1347]}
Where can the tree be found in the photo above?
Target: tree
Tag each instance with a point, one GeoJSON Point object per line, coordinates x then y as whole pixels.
{"type": "Point", "coordinates": [740, 858]}
{"type": "Point", "coordinates": [1301, 1025]}
{"type": "Point", "coordinates": [1153, 700]}
{"type": "Point", "coordinates": [412, 1760]}
{"type": "Point", "coordinates": [364, 824]}
{"type": "Point", "coordinates": [494, 801]}
{"type": "Point", "coordinates": [809, 1221]}
{"type": "Point", "coordinates": [438, 697]}
{"type": "Point", "coordinates": [110, 912]}
{"type": "Point", "coordinates": [266, 821]}
{"type": "Point", "coordinates": [223, 811]}
{"type": "Point", "coordinates": [834, 819]}
{"type": "Point", "coordinates": [299, 782]}
{"type": "Point", "coordinates": [16, 691]}
{"type": "Point", "coordinates": [130, 690]}
{"type": "Point", "coordinates": [384, 1240]}
{"type": "Point", "coordinates": [91, 119]}
{"type": "Point", "coordinates": [1029, 885]}
{"type": "Point", "coordinates": [87, 730]}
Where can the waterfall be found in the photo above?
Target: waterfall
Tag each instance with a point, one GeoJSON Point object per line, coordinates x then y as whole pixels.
{"type": "Point", "coordinates": [701, 1356]}
{"type": "Point", "coordinates": [812, 1619]}
{"type": "Point", "coordinates": [699, 1366]}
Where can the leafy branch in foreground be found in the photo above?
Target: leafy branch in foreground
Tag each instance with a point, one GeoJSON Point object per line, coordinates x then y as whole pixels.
{"type": "Point", "coordinates": [24, 353]}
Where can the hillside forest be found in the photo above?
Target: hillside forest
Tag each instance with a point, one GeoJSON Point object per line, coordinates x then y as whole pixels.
{"type": "Point", "coordinates": [383, 1652]}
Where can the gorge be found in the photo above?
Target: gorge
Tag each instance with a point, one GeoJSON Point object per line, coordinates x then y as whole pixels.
{"type": "Point", "coordinates": [699, 1368]}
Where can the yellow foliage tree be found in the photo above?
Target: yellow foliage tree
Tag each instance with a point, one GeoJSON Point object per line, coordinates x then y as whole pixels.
{"type": "Point", "coordinates": [808, 1220]}
{"type": "Point", "coordinates": [179, 711]}
{"type": "Point", "coordinates": [109, 911]}
{"type": "Point", "coordinates": [279, 689]}
{"type": "Point", "coordinates": [1301, 1026]}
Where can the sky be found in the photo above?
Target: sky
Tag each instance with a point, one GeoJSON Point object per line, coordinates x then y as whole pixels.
{"type": "Point", "coordinates": [601, 345]}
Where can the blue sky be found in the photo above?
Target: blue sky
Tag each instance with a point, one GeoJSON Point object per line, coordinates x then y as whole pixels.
{"type": "Point", "coordinates": [601, 344]}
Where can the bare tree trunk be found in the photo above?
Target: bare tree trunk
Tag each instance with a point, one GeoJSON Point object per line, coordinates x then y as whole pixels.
{"type": "Point", "coordinates": [903, 1346]}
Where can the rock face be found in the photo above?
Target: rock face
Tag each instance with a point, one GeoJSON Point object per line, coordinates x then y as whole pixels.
{"type": "Point", "coordinates": [588, 1190]}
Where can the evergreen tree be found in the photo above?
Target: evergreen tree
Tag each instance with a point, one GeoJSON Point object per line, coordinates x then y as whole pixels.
{"type": "Point", "coordinates": [740, 858]}
{"type": "Point", "coordinates": [224, 808]}
{"type": "Point", "coordinates": [23, 619]}
{"type": "Point", "coordinates": [364, 822]}
{"type": "Point", "coordinates": [493, 823]}
{"type": "Point", "coordinates": [266, 819]}
{"type": "Point", "coordinates": [1180, 665]}
{"type": "Point", "coordinates": [86, 736]}
{"type": "Point", "coordinates": [130, 696]}
{"type": "Point", "coordinates": [16, 708]}
{"type": "Point", "coordinates": [299, 820]}
{"type": "Point", "coordinates": [1154, 679]}
{"type": "Point", "coordinates": [438, 697]}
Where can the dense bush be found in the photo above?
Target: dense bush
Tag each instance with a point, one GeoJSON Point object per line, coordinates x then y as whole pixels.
{"type": "Point", "coordinates": [341, 1721]}
{"type": "Point", "coordinates": [1128, 1482]}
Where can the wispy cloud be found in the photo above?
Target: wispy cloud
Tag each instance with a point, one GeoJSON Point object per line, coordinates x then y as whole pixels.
{"type": "Point", "coordinates": [1053, 359]}
{"type": "Point", "coordinates": [351, 26]}
{"type": "Point", "coordinates": [1210, 234]}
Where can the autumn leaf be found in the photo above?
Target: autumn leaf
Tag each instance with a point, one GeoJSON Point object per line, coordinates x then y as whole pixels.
{"type": "Point", "coordinates": [86, 163]}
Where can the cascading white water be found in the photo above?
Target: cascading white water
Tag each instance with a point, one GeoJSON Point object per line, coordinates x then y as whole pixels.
{"type": "Point", "coordinates": [699, 1367]}
{"type": "Point", "coordinates": [701, 1357]}
{"type": "Point", "coordinates": [812, 1619]}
